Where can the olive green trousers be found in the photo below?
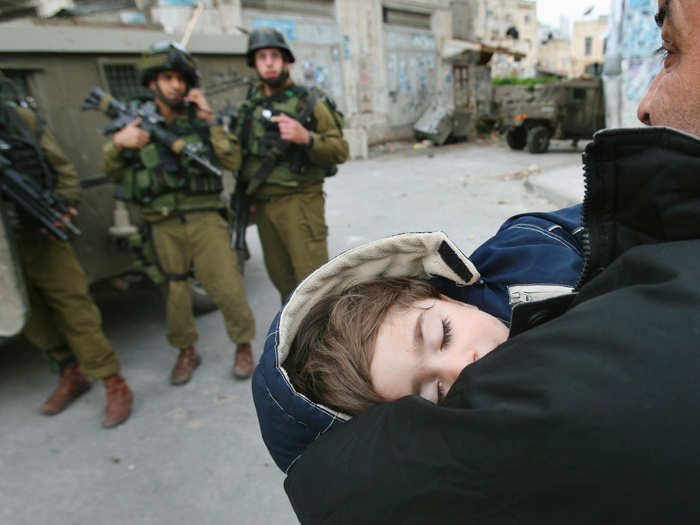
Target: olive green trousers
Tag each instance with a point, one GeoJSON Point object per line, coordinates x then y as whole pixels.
{"type": "Point", "coordinates": [64, 322]}
{"type": "Point", "coordinates": [200, 241]}
{"type": "Point", "coordinates": [293, 234]}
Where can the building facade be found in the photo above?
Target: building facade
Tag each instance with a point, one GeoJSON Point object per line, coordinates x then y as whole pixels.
{"type": "Point", "coordinates": [554, 53]}
{"type": "Point", "coordinates": [588, 45]}
{"type": "Point", "coordinates": [511, 24]}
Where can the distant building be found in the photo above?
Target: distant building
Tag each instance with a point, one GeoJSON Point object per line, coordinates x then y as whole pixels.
{"type": "Point", "coordinates": [588, 45]}
{"type": "Point", "coordinates": [554, 53]}
{"type": "Point", "coordinates": [512, 24]}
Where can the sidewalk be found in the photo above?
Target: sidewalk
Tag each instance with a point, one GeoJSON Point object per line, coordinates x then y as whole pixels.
{"type": "Point", "coordinates": [563, 186]}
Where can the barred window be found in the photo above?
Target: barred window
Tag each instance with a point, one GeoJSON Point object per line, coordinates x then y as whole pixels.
{"type": "Point", "coordinates": [122, 81]}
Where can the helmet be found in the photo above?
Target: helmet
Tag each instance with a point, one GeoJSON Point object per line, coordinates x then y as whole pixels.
{"type": "Point", "coordinates": [8, 90]}
{"type": "Point", "coordinates": [166, 55]}
{"type": "Point", "coordinates": [267, 37]}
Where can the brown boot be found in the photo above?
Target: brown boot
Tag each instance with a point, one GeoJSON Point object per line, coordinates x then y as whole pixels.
{"type": "Point", "coordinates": [243, 362]}
{"type": "Point", "coordinates": [184, 368]}
{"type": "Point", "coordinates": [71, 384]}
{"type": "Point", "coordinates": [118, 403]}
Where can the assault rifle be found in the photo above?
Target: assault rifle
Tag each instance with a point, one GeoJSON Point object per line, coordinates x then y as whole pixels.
{"type": "Point", "coordinates": [42, 205]}
{"type": "Point", "coordinates": [151, 122]}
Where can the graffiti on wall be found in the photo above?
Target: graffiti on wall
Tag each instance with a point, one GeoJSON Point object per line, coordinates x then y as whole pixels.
{"type": "Point", "coordinates": [316, 75]}
{"type": "Point", "coordinates": [347, 54]}
{"type": "Point", "coordinates": [411, 59]}
{"type": "Point", "coordinates": [640, 38]}
{"type": "Point", "coordinates": [286, 27]}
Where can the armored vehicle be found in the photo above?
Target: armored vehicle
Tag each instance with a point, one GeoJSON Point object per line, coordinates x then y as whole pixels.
{"type": "Point", "coordinates": [564, 110]}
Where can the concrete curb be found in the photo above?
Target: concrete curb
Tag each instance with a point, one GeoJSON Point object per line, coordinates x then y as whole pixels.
{"type": "Point", "coordinates": [563, 186]}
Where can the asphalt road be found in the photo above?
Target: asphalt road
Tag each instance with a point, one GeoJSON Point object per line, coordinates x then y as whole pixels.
{"type": "Point", "coordinates": [193, 454]}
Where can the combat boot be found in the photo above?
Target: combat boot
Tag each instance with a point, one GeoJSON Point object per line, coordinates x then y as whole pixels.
{"type": "Point", "coordinates": [187, 361]}
{"type": "Point", "coordinates": [243, 362]}
{"type": "Point", "coordinates": [118, 403]}
{"type": "Point", "coordinates": [71, 384]}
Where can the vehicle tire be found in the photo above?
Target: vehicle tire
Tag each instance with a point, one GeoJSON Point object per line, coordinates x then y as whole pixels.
{"type": "Point", "coordinates": [538, 140]}
{"type": "Point", "coordinates": [516, 138]}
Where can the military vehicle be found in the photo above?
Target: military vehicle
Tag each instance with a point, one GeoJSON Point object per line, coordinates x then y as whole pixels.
{"type": "Point", "coordinates": [566, 110]}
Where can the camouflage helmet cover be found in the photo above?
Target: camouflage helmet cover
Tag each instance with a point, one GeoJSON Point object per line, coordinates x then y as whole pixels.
{"type": "Point", "coordinates": [164, 56]}
{"type": "Point", "coordinates": [265, 37]}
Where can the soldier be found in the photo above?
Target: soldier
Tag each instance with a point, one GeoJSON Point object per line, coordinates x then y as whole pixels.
{"type": "Point", "coordinates": [181, 205]}
{"type": "Point", "coordinates": [287, 152]}
{"type": "Point", "coordinates": [64, 322]}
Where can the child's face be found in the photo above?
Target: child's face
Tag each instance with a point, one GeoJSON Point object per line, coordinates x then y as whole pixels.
{"type": "Point", "coordinates": [420, 350]}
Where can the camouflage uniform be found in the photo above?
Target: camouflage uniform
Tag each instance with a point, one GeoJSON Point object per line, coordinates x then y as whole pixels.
{"type": "Point", "coordinates": [289, 204]}
{"type": "Point", "coordinates": [181, 203]}
{"type": "Point", "coordinates": [64, 322]}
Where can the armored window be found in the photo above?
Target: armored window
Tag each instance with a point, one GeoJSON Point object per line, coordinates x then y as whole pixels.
{"type": "Point", "coordinates": [588, 46]}
{"type": "Point", "coordinates": [578, 95]}
{"type": "Point", "coordinates": [122, 80]}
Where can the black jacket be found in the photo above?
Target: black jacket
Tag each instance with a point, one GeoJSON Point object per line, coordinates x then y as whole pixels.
{"type": "Point", "coordinates": [590, 417]}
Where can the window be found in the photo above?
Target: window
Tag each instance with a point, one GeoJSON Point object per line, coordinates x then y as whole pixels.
{"type": "Point", "coordinates": [588, 46]}
{"type": "Point", "coordinates": [122, 80]}
{"type": "Point", "coordinates": [401, 17]}
{"type": "Point", "coordinates": [605, 45]}
{"type": "Point", "coordinates": [304, 7]}
{"type": "Point", "coordinates": [527, 19]}
{"type": "Point", "coordinates": [461, 76]}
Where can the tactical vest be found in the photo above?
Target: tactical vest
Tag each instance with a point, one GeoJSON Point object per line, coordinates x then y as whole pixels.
{"type": "Point", "coordinates": [25, 153]}
{"type": "Point", "coordinates": [260, 138]}
{"type": "Point", "coordinates": [158, 178]}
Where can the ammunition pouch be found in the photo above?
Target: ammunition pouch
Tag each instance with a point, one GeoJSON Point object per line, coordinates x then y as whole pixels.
{"type": "Point", "coordinates": [268, 158]}
{"type": "Point", "coordinates": [156, 172]}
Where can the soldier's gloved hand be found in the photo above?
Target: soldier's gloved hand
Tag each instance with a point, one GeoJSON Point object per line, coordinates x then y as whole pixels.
{"type": "Point", "coordinates": [196, 97]}
{"type": "Point", "coordinates": [291, 129]}
{"type": "Point", "coordinates": [131, 136]}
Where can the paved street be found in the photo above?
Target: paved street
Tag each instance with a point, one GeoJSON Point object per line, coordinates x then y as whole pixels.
{"type": "Point", "coordinates": [193, 454]}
